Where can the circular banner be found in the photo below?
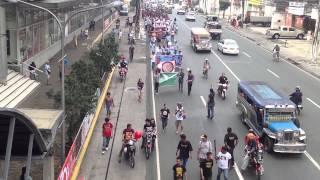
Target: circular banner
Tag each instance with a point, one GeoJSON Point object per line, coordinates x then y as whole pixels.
{"type": "Point", "coordinates": [167, 67]}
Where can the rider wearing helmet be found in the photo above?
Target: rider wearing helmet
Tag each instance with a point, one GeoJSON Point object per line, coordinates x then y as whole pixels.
{"type": "Point", "coordinates": [223, 79]}
{"type": "Point", "coordinates": [206, 64]}
{"type": "Point", "coordinates": [296, 96]}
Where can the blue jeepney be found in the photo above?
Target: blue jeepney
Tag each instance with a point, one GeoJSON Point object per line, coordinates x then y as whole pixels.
{"type": "Point", "coordinates": [272, 117]}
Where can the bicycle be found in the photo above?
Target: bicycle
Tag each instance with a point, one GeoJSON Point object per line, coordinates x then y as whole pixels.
{"type": "Point", "coordinates": [276, 56]}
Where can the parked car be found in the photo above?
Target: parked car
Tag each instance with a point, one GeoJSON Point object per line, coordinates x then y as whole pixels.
{"type": "Point", "coordinates": [181, 12]}
{"type": "Point", "coordinates": [228, 46]}
{"type": "Point", "coordinates": [191, 16]}
{"type": "Point", "coordinates": [285, 32]}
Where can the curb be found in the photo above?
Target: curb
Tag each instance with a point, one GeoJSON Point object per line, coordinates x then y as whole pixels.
{"type": "Point", "coordinates": [83, 150]}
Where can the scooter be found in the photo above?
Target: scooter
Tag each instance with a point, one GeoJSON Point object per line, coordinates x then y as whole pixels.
{"type": "Point", "coordinates": [148, 146]}
{"type": "Point", "coordinates": [222, 90]}
{"type": "Point", "coordinates": [129, 152]}
{"type": "Point", "coordinates": [254, 160]}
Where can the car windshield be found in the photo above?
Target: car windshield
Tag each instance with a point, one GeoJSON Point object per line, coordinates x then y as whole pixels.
{"type": "Point", "coordinates": [279, 116]}
{"type": "Point", "coordinates": [231, 43]}
{"type": "Point", "coordinates": [214, 26]}
{"type": "Point", "coordinates": [191, 13]}
{"type": "Point", "coordinates": [204, 38]}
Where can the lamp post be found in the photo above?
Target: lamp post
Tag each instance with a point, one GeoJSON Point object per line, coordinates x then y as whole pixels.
{"type": "Point", "coordinates": [62, 27]}
{"type": "Point", "coordinates": [102, 14]}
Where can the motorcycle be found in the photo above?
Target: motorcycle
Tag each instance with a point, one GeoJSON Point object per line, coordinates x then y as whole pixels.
{"type": "Point", "coordinates": [255, 160]}
{"type": "Point", "coordinates": [205, 73]}
{"type": "Point", "coordinates": [148, 146]}
{"type": "Point", "coordinates": [275, 56]}
{"type": "Point", "coordinates": [299, 106]}
{"type": "Point", "coordinates": [222, 90]}
{"type": "Point", "coordinates": [122, 73]}
{"type": "Point", "coordinates": [129, 152]}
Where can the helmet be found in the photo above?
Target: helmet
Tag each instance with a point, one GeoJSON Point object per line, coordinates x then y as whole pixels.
{"type": "Point", "coordinates": [206, 59]}
{"type": "Point", "coordinates": [188, 69]}
{"type": "Point", "coordinates": [298, 88]}
{"type": "Point", "coordinates": [251, 131]}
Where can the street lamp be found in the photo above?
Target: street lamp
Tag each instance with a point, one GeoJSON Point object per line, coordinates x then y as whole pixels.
{"type": "Point", "coordinates": [62, 27]}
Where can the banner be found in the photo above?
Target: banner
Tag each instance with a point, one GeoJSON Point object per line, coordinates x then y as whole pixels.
{"type": "Point", "coordinates": [168, 79]}
{"type": "Point", "coordinates": [177, 59]}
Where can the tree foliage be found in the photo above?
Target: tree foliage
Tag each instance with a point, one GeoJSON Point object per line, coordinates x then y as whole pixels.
{"type": "Point", "coordinates": [223, 4]}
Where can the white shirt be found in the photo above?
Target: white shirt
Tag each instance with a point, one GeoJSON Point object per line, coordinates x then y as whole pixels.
{"type": "Point", "coordinates": [179, 114]}
{"type": "Point", "coordinates": [223, 160]}
{"type": "Point", "coordinates": [204, 147]}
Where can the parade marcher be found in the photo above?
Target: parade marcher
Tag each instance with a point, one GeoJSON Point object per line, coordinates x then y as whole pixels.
{"type": "Point", "coordinates": [180, 116]}
{"type": "Point", "coordinates": [131, 52]}
{"type": "Point", "coordinates": [184, 150]}
{"type": "Point", "coordinates": [204, 147]}
{"type": "Point", "coordinates": [231, 141]}
{"type": "Point", "coordinates": [106, 134]}
{"type": "Point", "coordinates": [190, 81]}
{"type": "Point", "coordinates": [179, 170]}
{"type": "Point", "coordinates": [156, 80]}
{"type": "Point", "coordinates": [223, 158]}
{"type": "Point", "coordinates": [164, 114]}
{"type": "Point", "coordinates": [210, 104]}
{"type": "Point", "coordinates": [206, 167]}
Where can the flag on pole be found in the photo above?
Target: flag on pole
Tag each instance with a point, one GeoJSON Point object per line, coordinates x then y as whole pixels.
{"type": "Point", "coordinates": [168, 79]}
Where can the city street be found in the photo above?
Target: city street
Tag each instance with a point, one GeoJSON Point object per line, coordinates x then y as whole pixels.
{"type": "Point", "coordinates": [253, 63]}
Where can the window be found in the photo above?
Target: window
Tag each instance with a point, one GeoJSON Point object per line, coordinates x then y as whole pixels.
{"type": "Point", "coordinates": [285, 29]}
{"type": "Point", "coordinates": [291, 29]}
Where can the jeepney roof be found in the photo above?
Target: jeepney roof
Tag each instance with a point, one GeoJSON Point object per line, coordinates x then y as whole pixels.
{"type": "Point", "coordinates": [262, 94]}
{"type": "Point", "coordinates": [200, 31]}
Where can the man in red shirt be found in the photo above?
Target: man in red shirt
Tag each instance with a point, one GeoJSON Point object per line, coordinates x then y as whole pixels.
{"type": "Point", "coordinates": [106, 134]}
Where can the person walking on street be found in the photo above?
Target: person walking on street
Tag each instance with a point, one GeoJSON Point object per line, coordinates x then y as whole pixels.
{"type": "Point", "coordinates": [184, 150]}
{"type": "Point", "coordinates": [106, 134]}
{"type": "Point", "coordinates": [231, 141]}
{"type": "Point", "coordinates": [223, 158]}
{"type": "Point", "coordinates": [179, 171]}
{"type": "Point", "coordinates": [190, 81]}
{"type": "Point", "coordinates": [156, 81]}
{"type": "Point", "coordinates": [153, 60]}
{"type": "Point", "coordinates": [206, 167]}
{"type": "Point", "coordinates": [180, 116]}
{"type": "Point", "coordinates": [210, 104]}
{"type": "Point", "coordinates": [180, 80]}
{"type": "Point", "coordinates": [204, 147]}
{"type": "Point", "coordinates": [131, 52]}
{"type": "Point", "coordinates": [164, 114]}
{"type": "Point", "coordinates": [120, 35]}
{"type": "Point", "coordinates": [109, 103]}
{"type": "Point", "coordinates": [32, 69]}
{"type": "Point", "coordinates": [47, 71]}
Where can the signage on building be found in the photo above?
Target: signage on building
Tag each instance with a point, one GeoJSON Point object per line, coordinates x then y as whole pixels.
{"type": "Point", "coordinates": [256, 2]}
{"type": "Point", "coordinates": [296, 8]}
{"type": "Point", "coordinates": [314, 13]}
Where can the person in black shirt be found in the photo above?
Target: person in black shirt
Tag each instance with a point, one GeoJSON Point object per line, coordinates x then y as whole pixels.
{"type": "Point", "coordinates": [164, 114]}
{"type": "Point", "coordinates": [147, 128]}
{"type": "Point", "coordinates": [180, 80]}
{"type": "Point", "coordinates": [206, 167]}
{"type": "Point", "coordinates": [190, 81]}
{"type": "Point", "coordinates": [179, 170]}
{"type": "Point", "coordinates": [230, 141]}
{"type": "Point", "coordinates": [184, 150]}
{"type": "Point", "coordinates": [211, 104]}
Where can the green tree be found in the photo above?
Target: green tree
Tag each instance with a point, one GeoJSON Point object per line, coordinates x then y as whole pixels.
{"type": "Point", "coordinates": [80, 88]}
{"type": "Point", "coordinates": [224, 4]}
{"type": "Point", "coordinates": [104, 54]}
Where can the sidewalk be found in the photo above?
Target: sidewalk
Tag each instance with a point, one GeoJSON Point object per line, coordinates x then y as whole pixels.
{"type": "Point", "coordinates": [297, 52]}
{"type": "Point", "coordinates": [96, 166]}
{"type": "Point", "coordinates": [39, 98]}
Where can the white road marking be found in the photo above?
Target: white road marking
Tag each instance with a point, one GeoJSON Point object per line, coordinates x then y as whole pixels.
{"type": "Point", "coordinates": [314, 162]}
{"type": "Point", "coordinates": [155, 118]}
{"type": "Point", "coordinates": [273, 73]}
{"type": "Point", "coordinates": [236, 168]}
{"type": "Point", "coordinates": [270, 52]}
{"type": "Point", "coordinates": [226, 66]}
{"type": "Point", "coordinates": [314, 103]}
{"type": "Point", "coordinates": [246, 54]}
{"type": "Point", "coordinates": [203, 101]}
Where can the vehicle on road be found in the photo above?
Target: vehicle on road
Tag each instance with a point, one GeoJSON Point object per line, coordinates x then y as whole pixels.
{"type": "Point", "coordinates": [214, 28]}
{"type": "Point", "coordinates": [191, 16]}
{"type": "Point", "coordinates": [271, 116]}
{"type": "Point", "coordinates": [285, 32]}
{"type": "Point", "coordinates": [254, 159]}
{"type": "Point", "coordinates": [148, 146]}
{"type": "Point", "coordinates": [228, 46]}
{"type": "Point", "coordinates": [222, 90]}
{"type": "Point", "coordinates": [129, 152]}
{"type": "Point", "coordinates": [200, 40]}
{"type": "Point", "coordinates": [181, 12]}
{"type": "Point", "coordinates": [124, 11]}
{"type": "Point", "coordinates": [259, 20]}
{"type": "Point", "coordinates": [212, 18]}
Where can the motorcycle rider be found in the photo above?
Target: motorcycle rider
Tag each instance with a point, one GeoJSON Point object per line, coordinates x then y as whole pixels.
{"type": "Point", "coordinates": [206, 66]}
{"type": "Point", "coordinates": [296, 96]}
{"type": "Point", "coordinates": [276, 50]}
{"type": "Point", "coordinates": [127, 135]}
{"type": "Point", "coordinates": [222, 80]}
{"type": "Point", "coordinates": [147, 128]}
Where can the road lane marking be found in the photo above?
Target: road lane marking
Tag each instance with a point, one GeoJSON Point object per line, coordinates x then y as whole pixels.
{"type": "Point", "coordinates": [246, 54]}
{"type": "Point", "coordinates": [225, 65]}
{"type": "Point", "coordinates": [155, 119]}
{"type": "Point", "coordinates": [314, 103]}
{"type": "Point", "coordinates": [270, 52]}
{"type": "Point", "coordinates": [185, 24]}
{"type": "Point", "coordinates": [314, 162]}
{"type": "Point", "coordinates": [236, 168]}
{"type": "Point", "coordinates": [203, 101]}
{"type": "Point", "coordinates": [273, 73]}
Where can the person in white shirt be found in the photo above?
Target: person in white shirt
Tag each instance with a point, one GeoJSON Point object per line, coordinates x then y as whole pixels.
{"type": "Point", "coordinates": [223, 158]}
{"type": "Point", "coordinates": [47, 71]}
{"type": "Point", "coordinates": [204, 147]}
{"type": "Point", "coordinates": [180, 116]}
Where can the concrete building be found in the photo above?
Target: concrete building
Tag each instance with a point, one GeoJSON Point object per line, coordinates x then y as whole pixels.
{"type": "Point", "coordinates": [209, 6]}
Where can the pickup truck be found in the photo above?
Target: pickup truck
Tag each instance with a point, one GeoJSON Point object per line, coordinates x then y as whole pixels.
{"type": "Point", "coordinates": [285, 32]}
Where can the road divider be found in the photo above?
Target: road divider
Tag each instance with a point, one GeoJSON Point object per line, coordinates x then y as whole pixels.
{"type": "Point", "coordinates": [314, 162]}
{"type": "Point", "coordinates": [273, 73]}
{"type": "Point", "coordinates": [314, 103]}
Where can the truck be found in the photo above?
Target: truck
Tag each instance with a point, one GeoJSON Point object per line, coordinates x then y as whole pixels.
{"type": "Point", "coordinates": [263, 20]}
{"type": "Point", "coordinates": [285, 32]}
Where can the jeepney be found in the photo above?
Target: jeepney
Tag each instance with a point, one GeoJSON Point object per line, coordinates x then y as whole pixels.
{"type": "Point", "coordinates": [215, 29]}
{"type": "Point", "coordinates": [271, 116]}
{"type": "Point", "coordinates": [200, 39]}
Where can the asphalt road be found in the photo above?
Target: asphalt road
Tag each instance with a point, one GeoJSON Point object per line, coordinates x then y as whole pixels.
{"type": "Point", "coordinates": [253, 63]}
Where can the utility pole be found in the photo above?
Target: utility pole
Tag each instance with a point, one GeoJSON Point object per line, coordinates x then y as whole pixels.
{"type": "Point", "coordinates": [243, 16]}
{"type": "Point", "coordinates": [315, 41]}
{"type": "Point", "coordinates": [137, 19]}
